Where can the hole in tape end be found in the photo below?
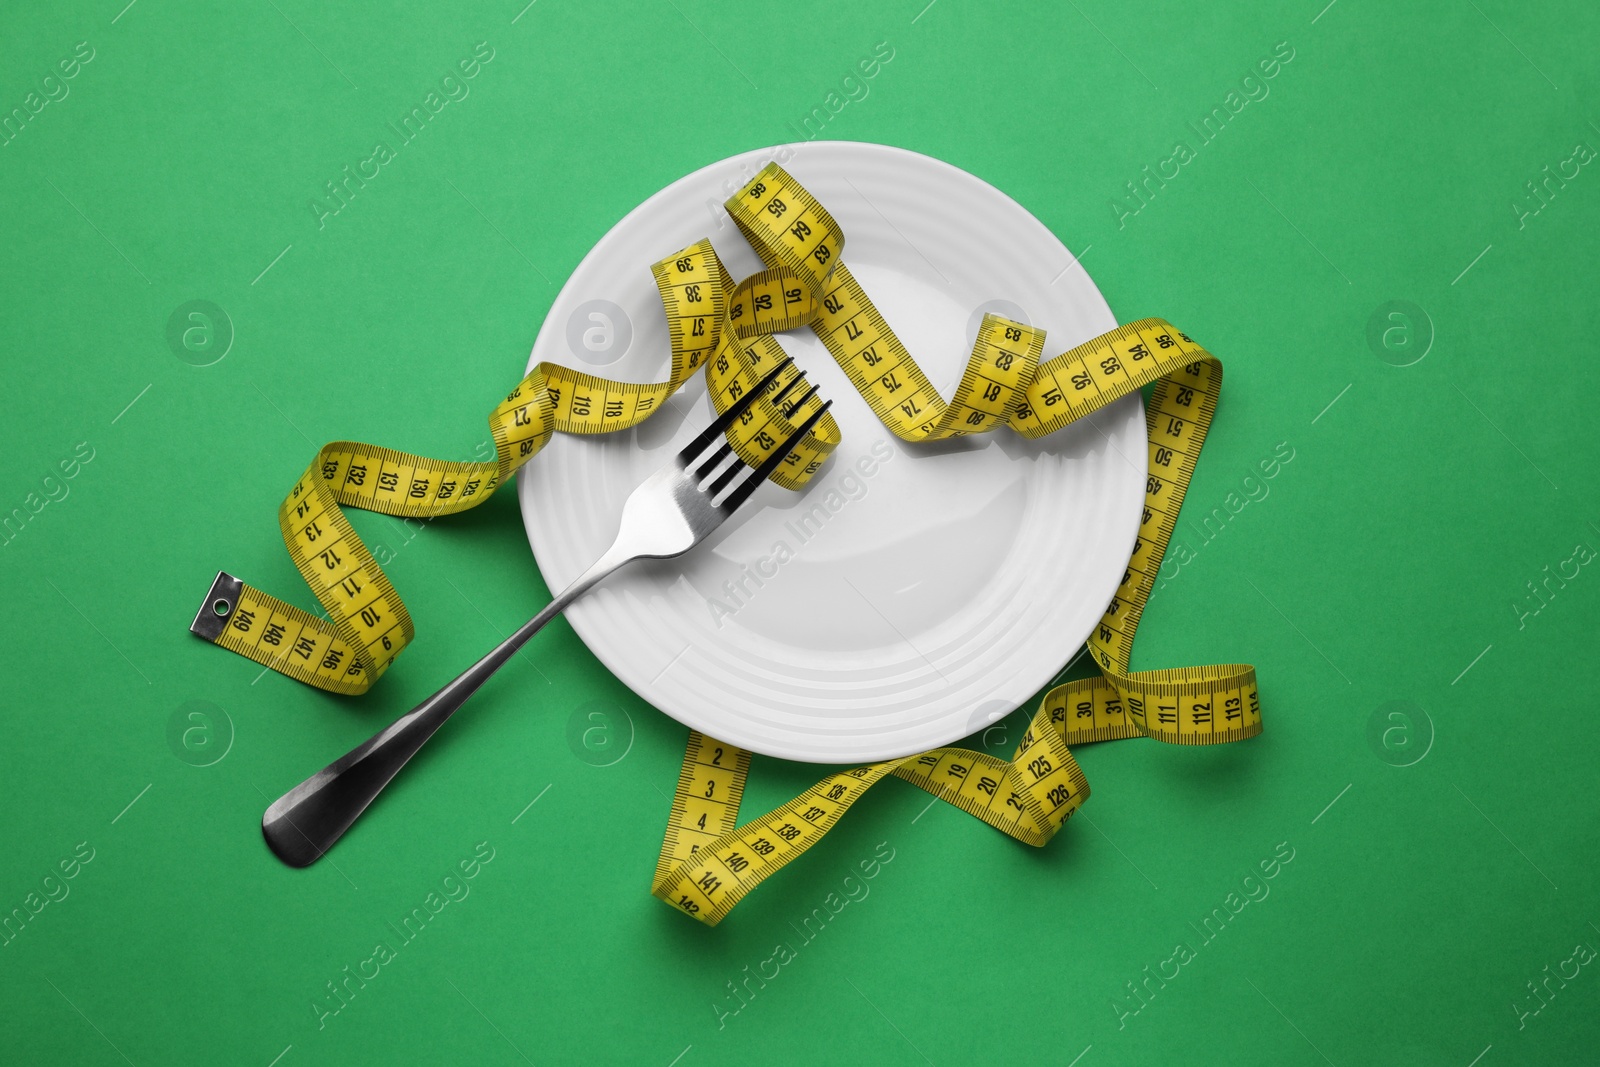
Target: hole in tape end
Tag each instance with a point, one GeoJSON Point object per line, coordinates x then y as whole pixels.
{"type": "Point", "coordinates": [221, 606]}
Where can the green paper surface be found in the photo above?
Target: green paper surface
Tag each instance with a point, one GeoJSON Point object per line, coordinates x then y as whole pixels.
{"type": "Point", "coordinates": [1415, 584]}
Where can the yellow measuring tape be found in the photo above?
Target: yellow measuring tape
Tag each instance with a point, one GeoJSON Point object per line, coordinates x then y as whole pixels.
{"type": "Point", "coordinates": [707, 862]}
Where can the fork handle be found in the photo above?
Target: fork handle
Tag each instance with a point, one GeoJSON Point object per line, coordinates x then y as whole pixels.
{"type": "Point", "coordinates": [306, 821]}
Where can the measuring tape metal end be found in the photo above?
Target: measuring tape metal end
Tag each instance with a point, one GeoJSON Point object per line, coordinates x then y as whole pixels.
{"type": "Point", "coordinates": [217, 607]}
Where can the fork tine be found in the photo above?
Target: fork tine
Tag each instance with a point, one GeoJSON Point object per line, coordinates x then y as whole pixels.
{"type": "Point", "coordinates": [723, 421]}
{"type": "Point", "coordinates": [726, 478]}
{"type": "Point", "coordinates": [791, 408]}
{"type": "Point", "coordinates": [781, 393]}
{"type": "Point", "coordinates": [742, 491]}
{"type": "Point", "coordinates": [712, 462]}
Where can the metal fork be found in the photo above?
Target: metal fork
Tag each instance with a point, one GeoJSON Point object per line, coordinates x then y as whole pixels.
{"type": "Point", "coordinates": [671, 512]}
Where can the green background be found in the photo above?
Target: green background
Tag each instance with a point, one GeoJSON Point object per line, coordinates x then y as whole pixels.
{"type": "Point", "coordinates": [1385, 564]}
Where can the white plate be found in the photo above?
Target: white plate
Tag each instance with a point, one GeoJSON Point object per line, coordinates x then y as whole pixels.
{"type": "Point", "coordinates": [914, 599]}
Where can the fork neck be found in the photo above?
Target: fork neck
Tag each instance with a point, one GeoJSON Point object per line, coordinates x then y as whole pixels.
{"type": "Point", "coordinates": [612, 559]}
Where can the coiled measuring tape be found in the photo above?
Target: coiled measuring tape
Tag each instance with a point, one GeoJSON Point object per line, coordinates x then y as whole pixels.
{"type": "Point", "coordinates": [708, 862]}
